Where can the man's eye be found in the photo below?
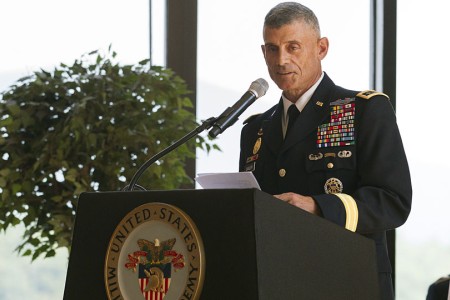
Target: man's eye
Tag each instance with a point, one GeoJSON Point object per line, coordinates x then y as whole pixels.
{"type": "Point", "coordinates": [271, 49]}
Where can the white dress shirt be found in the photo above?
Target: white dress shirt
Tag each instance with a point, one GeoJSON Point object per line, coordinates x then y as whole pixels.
{"type": "Point", "coordinates": [300, 103]}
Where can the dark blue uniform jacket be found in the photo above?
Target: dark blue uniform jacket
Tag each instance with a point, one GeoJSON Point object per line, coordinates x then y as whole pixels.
{"type": "Point", "coordinates": [372, 168]}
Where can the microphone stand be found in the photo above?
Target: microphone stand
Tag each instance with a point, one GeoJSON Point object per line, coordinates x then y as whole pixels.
{"type": "Point", "coordinates": [204, 126]}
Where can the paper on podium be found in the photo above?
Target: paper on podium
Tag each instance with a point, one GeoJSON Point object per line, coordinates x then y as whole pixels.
{"type": "Point", "coordinates": [240, 180]}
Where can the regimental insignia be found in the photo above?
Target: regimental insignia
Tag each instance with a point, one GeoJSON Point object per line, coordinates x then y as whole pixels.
{"type": "Point", "coordinates": [333, 186]}
{"type": "Point", "coordinates": [156, 252]}
{"type": "Point", "coordinates": [319, 103]}
{"type": "Point", "coordinates": [257, 146]}
{"type": "Point", "coordinates": [340, 131]}
{"type": "Point", "coordinates": [260, 132]}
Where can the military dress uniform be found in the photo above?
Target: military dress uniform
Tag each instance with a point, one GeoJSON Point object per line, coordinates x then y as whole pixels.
{"type": "Point", "coordinates": [345, 151]}
{"type": "Point", "coordinates": [439, 290]}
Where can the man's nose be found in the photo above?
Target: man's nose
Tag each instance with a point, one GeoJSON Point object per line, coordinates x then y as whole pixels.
{"type": "Point", "coordinates": [283, 57]}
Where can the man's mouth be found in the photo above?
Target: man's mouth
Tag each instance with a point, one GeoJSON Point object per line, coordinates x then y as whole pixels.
{"type": "Point", "coordinates": [284, 73]}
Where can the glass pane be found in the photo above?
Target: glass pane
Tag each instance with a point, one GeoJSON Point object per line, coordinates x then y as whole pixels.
{"type": "Point", "coordinates": [230, 58]}
{"type": "Point", "coordinates": [42, 34]}
{"type": "Point", "coordinates": [158, 32]}
{"type": "Point", "coordinates": [423, 243]}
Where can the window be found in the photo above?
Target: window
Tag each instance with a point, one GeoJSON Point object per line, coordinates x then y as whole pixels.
{"type": "Point", "coordinates": [423, 243]}
{"type": "Point", "coordinates": [230, 59]}
{"type": "Point", "coordinates": [42, 34]}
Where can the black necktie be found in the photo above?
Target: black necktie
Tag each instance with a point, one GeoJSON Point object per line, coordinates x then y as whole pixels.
{"type": "Point", "coordinates": [293, 113]}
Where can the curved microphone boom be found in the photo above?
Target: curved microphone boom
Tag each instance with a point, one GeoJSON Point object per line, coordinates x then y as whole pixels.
{"type": "Point", "coordinates": [217, 125]}
{"type": "Point", "coordinates": [257, 89]}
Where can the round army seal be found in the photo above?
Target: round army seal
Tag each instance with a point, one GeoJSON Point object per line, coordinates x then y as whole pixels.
{"type": "Point", "coordinates": [333, 186]}
{"type": "Point", "coordinates": [155, 252]}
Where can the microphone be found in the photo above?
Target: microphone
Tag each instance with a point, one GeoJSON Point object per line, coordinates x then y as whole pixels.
{"type": "Point", "coordinates": [257, 89]}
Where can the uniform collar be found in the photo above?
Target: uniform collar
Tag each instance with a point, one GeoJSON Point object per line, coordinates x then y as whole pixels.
{"type": "Point", "coordinates": [301, 102]}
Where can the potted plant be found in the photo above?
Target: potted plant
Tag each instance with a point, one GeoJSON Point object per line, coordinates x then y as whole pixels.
{"type": "Point", "coordinates": [86, 127]}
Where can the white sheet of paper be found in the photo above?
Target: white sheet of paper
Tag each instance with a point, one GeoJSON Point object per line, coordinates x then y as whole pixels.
{"type": "Point", "coordinates": [239, 180]}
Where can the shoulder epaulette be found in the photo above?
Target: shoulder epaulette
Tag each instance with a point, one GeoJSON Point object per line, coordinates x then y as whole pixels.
{"type": "Point", "coordinates": [442, 279]}
{"type": "Point", "coordinates": [249, 119]}
{"type": "Point", "coordinates": [369, 94]}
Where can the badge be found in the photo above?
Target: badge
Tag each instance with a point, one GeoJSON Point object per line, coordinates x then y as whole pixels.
{"type": "Point", "coordinates": [333, 186]}
{"type": "Point", "coordinates": [250, 167]}
{"type": "Point", "coordinates": [315, 156]}
{"type": "Point", "coordinates": [342, 101]}
{"type": "Point", "coordinates": [252, 158]}
{"type": "Point", "coordinates": [257, 145]}
{"type": "Point", "coordinates": [260, 132]}
{"type": "Point", "coordinates": [344, 154]}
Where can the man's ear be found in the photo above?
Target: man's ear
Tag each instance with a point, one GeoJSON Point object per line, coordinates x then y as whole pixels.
{"type": "Point", "coordinates": [323, 45]}
{"type": "Point", "coordinates": [263, 49]}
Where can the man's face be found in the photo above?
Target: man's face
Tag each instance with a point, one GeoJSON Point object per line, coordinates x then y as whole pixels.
{"type": "Point", "coordinates": [293, 55]}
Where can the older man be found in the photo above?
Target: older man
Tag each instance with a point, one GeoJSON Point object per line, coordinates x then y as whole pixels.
{"type": "Point", "coordinates": [333, 152]}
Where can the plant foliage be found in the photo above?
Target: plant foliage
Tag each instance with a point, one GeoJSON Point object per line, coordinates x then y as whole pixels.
{"type": "Point", "coordinates": [86, 127]}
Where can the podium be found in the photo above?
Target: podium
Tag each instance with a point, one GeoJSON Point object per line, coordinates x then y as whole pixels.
{"type": "Point", "coordinates": [256, 246]}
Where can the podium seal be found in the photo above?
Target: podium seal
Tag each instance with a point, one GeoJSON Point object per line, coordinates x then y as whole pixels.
{"type": "Point", "coordinates": [155, 252]}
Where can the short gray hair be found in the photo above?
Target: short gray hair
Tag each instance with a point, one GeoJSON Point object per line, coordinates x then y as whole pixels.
{"type": "Point", "coordinates": [287, 12]}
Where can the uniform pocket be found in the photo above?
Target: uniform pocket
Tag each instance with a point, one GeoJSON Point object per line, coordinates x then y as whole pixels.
{"type": "Point", "coordinates": [332, 170]}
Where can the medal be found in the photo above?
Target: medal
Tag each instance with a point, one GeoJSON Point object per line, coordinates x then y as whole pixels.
{"type": "Point", "coordinates": [333, 186]}
{"type": "Point", "coordinates": [340, 130]}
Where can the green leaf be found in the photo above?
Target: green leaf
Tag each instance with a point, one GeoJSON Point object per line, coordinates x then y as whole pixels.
{"type": "Point", "coordinates": [16, 188]}
{"type": "Point", "coordinates": [5, 195]}
{"type": "Point", "coordinates": [34, 242]}
{"type": "Point", "coordinates": [96, 121]}
{"type": "Point", "coordinates": [13, 108]}
{"type": "Point", "coordinates": [50, 253]}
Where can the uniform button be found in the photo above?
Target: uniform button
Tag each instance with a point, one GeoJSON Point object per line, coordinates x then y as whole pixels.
{"type": "Point", "coordinates": [330, 165]}
{"type": "Point", "coordinates": [282, 172]}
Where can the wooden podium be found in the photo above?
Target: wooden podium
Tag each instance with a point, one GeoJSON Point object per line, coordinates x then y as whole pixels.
{"type": "Point", "coordinates": [256, 247]}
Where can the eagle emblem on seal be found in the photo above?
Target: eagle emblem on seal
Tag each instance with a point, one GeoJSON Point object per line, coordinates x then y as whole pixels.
{"type": "Point", "coordinates": [154, 262]}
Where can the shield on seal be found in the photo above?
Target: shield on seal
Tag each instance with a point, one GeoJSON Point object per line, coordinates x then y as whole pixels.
{"type": "Point", "coordinates": [154, 280]}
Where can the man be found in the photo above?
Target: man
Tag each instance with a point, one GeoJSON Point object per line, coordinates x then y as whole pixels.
{"type": "Point", "coordinates": [342, 158]}
{"type": "Point", "coordinates": [439, 290]}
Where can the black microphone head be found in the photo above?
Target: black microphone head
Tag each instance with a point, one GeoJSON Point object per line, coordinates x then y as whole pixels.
{"type": "Point", "coordinates": [259, 87]}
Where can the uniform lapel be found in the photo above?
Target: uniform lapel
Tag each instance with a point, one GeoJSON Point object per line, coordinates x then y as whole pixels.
{"type": "Point", "coordinates": [312, 115]}
{"type": "Point", "coordinates": [273, 133]}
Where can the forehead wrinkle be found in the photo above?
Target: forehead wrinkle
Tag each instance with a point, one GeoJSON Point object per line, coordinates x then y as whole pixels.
{"type": "Point", "coordinates": [282, 43]}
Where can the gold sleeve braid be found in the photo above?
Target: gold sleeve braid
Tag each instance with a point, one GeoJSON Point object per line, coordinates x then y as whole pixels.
{"type": "Point", "coordinates": [351, 210]}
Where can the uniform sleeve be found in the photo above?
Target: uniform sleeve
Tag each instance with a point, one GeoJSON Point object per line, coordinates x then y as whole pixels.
{"type": "Point", "coordinates": [382, 199]}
